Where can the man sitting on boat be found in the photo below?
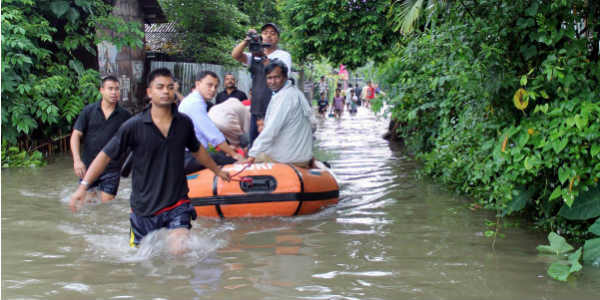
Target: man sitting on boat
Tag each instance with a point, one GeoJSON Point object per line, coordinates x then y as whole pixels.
{"type": "Point", "coordinates": [287, 133]}
{"type": "Point", "coordinates": [232, 118]}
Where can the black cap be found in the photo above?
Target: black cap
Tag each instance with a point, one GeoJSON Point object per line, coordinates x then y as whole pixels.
{"type": "Point", "coordinates": [272, 25]}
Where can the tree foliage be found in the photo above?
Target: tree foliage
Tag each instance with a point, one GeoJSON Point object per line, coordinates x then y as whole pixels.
{"type": "Point", "coordinates": [209, 29]}
{"type": "Point", "coordinates": [45, 78]}
{"type": "Point", "coordinates": [346, 32]}
{"type": "Point", "coordinates": [500, 99]}
{"type": "Point", "coordinates": [405, 15]}
{"type": "Point", "coordinates": [259, 12]}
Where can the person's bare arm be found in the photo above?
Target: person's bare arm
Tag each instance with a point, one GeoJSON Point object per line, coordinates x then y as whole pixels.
{"type": "Point", "coordinates": [96, 168]}
{"type": "Point", "coordinates": [238, 52]}
{"type": "Point", "coordinates": [78, 165]}
{"type": "Point", "coordinates": [204, 158]}
{"type": "Point", "coordinates": [250, 160]}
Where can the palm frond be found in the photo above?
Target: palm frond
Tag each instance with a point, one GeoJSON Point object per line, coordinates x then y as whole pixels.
{"type": "Point", "coordinates": [406, 13]}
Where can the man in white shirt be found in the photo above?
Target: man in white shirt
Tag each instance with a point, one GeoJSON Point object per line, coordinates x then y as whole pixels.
{"type": "Point", "coordinates": [287, 134]}
{"type": "Point", "coordinates": [257, 61]}
{"type": "Point", "coordinates": [194, 106]}
{"type": "Point", "coordinates": [349, 95]}
{"type": "Point", "coordinates": [323, 86]}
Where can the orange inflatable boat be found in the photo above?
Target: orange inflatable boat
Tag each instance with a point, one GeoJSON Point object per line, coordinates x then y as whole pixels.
{"type": "Point", "coordinates": [263, 189]}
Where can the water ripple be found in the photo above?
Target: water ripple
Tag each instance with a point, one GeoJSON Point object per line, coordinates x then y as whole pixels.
{"type": "Point", "coordinates": [333, 274]}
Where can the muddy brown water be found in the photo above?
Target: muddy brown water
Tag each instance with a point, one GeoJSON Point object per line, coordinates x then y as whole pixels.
{"type": "Point", "coordinates": [392, 236]}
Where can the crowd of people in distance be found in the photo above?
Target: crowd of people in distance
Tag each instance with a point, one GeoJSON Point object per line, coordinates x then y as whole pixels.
{"type": "Point", "coordinates": [349, 98]}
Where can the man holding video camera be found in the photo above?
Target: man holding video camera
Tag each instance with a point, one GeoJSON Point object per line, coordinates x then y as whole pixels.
{"type": "Point", "coordinates": [262, 50]}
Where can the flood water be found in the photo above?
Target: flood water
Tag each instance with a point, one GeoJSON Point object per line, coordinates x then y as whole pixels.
{"type": "Point", "coordinates": [392, 236]}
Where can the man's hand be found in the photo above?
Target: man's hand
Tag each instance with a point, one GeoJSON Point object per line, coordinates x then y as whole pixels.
{"type": "Point", "coordinates": [260, 125]}
{"type": "Point", "coordinates": [96, 168]}
{"type": "Point", "coordinates": [79, 168]}
{"type": "Point", "coordinates": [250, 32]}
{"type": "Point", "coordinates": [77, 198]}
{"type": "Point", "coordinates": [249, 161]}
{"type": "Point", "coordinates": [224, 175]}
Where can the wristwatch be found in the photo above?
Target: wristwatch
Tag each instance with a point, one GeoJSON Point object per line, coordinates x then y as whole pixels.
{"type": "Point", "coordinates": [87, 184]}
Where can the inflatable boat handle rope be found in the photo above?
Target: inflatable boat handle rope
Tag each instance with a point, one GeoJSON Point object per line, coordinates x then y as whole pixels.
{"type": "Point", "coordinates": [244, 178]}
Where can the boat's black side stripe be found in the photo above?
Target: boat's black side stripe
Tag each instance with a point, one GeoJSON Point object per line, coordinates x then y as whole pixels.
{"type": "Point", "coordinates": [215, 186]}
{"type": "Point", "coordinates": [299, 177]}
{"type": "Point", "coordinates": [258, 198]}
{"type": "Point", "coordinates": [301, 187]}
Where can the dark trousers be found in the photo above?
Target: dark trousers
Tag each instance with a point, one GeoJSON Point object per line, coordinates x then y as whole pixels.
{"type": "Point", "coordinates": [253, 129]}
{"type": "Point", "coordinates": [191, 164]}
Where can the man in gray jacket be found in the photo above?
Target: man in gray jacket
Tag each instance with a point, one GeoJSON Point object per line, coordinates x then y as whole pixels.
{"type": "Point", "coordinates": [287, 133]}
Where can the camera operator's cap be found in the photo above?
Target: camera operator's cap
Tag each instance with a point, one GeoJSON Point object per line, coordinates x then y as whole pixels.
{"type": "Point", "coordinates": [272, 25]}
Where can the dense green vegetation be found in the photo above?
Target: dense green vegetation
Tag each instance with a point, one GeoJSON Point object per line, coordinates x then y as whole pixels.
{"type": "Point", "coordinates": [347, 32]}
{"type": "Point", "coordinates": [49, 69]}
{"type": "Point", "coordinates": [498, 99]}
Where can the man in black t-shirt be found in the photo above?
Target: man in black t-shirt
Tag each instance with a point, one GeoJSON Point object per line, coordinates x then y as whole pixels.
{"type": "Point", "coordinates": [357, 92]}
{"type": "Point", "coordinates": [157, 137]}
{"type": "Point", "coordinates": [95, 126]}
{"type": "Point", "coordinates": [230, 90]}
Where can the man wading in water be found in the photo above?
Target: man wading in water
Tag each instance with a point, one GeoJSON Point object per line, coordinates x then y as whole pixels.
{"type": "Point", "coordinates": [158, 137]}
{"type": "Point", "coordinates": [95, 126]}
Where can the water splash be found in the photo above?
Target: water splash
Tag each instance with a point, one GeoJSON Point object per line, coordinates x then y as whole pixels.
{"type": "Point", "coordinates": [155, 245]}
{"type": "Point", "coordinates": [199, 245]}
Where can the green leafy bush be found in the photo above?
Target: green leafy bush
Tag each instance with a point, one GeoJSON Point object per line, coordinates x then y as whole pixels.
{"type": "Point", "coordinates": [344, 32]}
{"type": "Point", "coordinates": [44, 81]}
{"type": "Point", "coordinates": [12, 157]}
{"type": "Point", "coordinates": [501, 103]}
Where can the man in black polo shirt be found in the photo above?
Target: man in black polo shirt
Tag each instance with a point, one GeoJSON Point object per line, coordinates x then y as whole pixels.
{"type": "Point", "coordinates": [96, 125]}
{"type": "Point", "coordinates": [157, 137]}
{"type": "Point", "coordinates": [230, 90]}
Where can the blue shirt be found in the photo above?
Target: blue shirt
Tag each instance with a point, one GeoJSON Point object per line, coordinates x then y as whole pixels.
{"type": "Point", "coordinates": [194, 107]}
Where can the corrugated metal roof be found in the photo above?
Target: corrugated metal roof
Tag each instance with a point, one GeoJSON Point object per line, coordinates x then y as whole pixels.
{"type": "Point", "coordinates": [160, 28]}
{"type": "Point", "coordinates": [162, 38]}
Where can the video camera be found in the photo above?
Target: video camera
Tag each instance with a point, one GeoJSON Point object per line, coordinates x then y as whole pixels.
{"type": "Point", "coordinates": [256, 45]}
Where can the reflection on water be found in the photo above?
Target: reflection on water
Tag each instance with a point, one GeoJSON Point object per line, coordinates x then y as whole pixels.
{"type": "Point", "coordinates": [390, 237]}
